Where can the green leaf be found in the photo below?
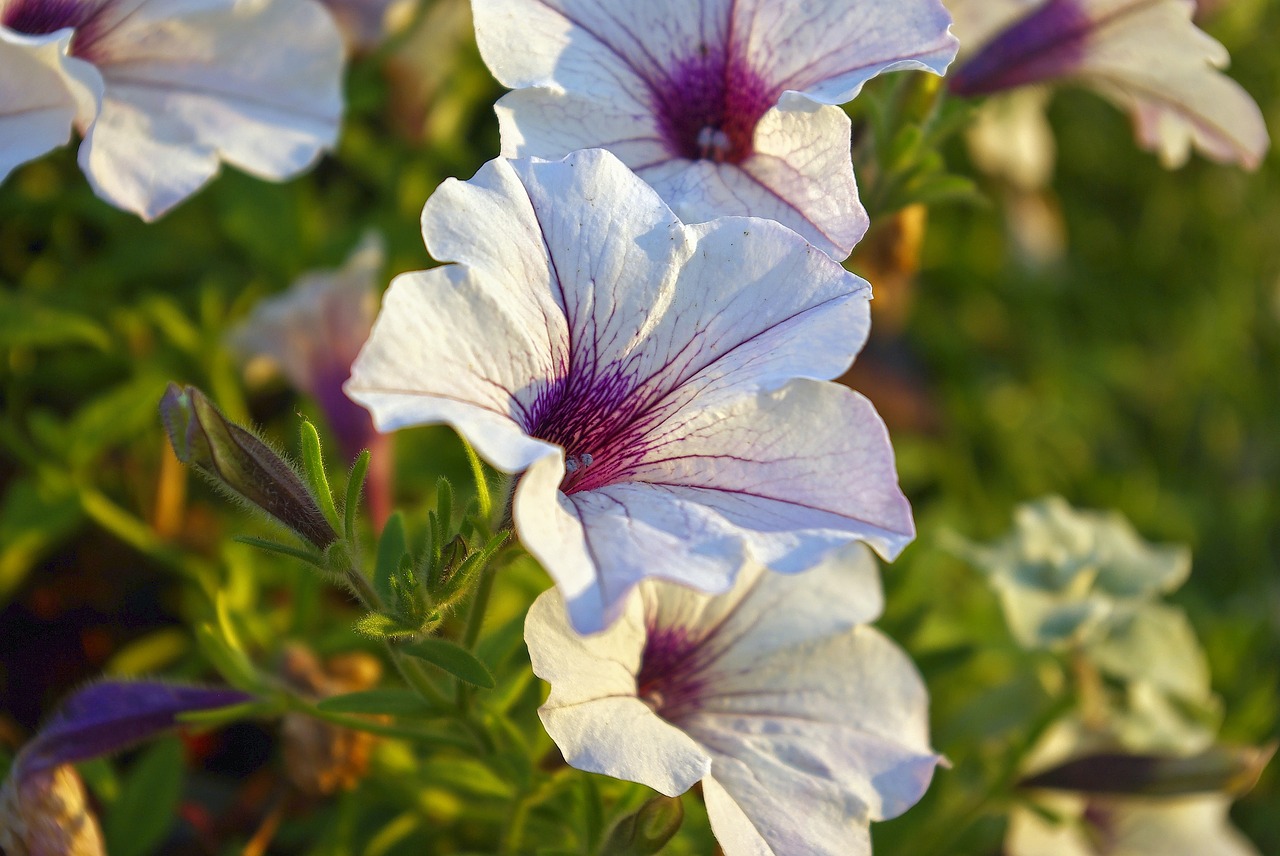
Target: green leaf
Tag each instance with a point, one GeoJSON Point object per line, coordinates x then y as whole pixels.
{"type": "Point", "coordinates": [270, 546]}
{"type": "Point", "coordinates": [355, 485]}
{"type": "Point", "coordinates": [375, 625]}
{"type": "Point", "coordinates": [233, 665]}
{"type": "Point", "coordinates": [392, 547]}
{"type": "Point", "coordinates": [313, 469]}
{"type": "Point", "coordinates": [222, 716]}
{"type": "Point", "coordinates": [454, 659]}
{"type": "Point", "coordinates": [123, 413]}
{"type": "Point", "coordinates": [396, 702]}
{"type": "Point", "coordinates": [25, 322]}
{"type": "Point", "coordinates": [140, 819]}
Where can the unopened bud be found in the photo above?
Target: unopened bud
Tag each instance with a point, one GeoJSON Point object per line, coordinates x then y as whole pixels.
{"type": "Point", "coordinates": [234, 458]}
{"type": "Point", "coordinates": [647, 831]}
{"type": "Point", "coordinates": [1220, 769]}
{"type": "Point", "coordinates": [46, 813]}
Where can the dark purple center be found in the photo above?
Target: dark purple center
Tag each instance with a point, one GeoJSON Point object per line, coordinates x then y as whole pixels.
{"type": "Point", "coordinates": [41, 17]}
{"type": "Point", "coordinates": [708, 107]}
{"type": "Point", "coordinates": [601, 420]}
{"type": "Point", "coordinates": [669, 680]}
{"type": "Point", "coordinates": [1048, 43]}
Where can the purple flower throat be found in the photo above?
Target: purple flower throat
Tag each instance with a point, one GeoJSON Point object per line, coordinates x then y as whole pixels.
{"type": "Point", "coordinates": [41, 17]}
{"type": "Point", "coordinates": [709, 105]}
{"type": "Point", "coordinates": [669, 680]}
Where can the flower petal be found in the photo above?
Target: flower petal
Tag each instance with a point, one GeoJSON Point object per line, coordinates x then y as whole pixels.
{"type": "Point", "coordinates": [42, 93]}
{"type": "Point", "coordinates": [847, 742]}
{"type": "Point", "coordinates": [592, 713]}
{"type": "Point", "coordinates": [256, 83]}
{"type": "Point", "coordinates": [829, 50]}
{"type": "Point", "coordinates": [782, 478]}
{"type": "Point", "coordinates": [800, 176]}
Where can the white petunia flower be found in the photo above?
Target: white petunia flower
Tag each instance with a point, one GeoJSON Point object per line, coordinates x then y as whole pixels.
{"type": "Point", "coordinates": [1147, 56]}
{"type": "Point", "coordinates": [803, 724]}
{"type": "Point", "coordinates": [657, 384]}
{"type": "Point", "coordinates": [179, 86]}
{"type": "Point", "coordinates": [724, 107]}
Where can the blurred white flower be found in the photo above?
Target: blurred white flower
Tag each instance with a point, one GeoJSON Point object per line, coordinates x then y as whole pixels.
{"type": "Point", "coordinates": [803, 724]}
{"type": "Point", "coordinates": [178, 86]}
{"type": "Point", "coordinates": [724, 107]}
{"type": "Point", "coordinates": [312, 333]}
{"type": "Point", "coordinates": [658, 385]}
{"type": "Point", "coordinates": [1061, 573]}
{"type": "Point", "coordinates": [1147, 56]}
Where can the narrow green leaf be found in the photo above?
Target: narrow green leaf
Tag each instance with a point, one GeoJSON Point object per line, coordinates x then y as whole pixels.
{"type": "Point", "coordinates": [454, 659]}
{"type": "Point", "coordinates": [375, 625]}
{"type": "Point", "coordinates": [221, 716]}
{"type": "Point", "coordinates": [234, 666]}
{"type": "Point", "coordinates": [313, 468]}
{"type": "Point", "coordinates": [392, 548]}
{"type": "Point", "coordinates": [393, 701]}
{"type": "Point", "coordinates": [307, 556]}
{"type": "Point", "coordinates": [25, 322]}
{"type": "Point", "coordinates": [355, 486]}
{"type": "Point", "coordinates": [141, 817]}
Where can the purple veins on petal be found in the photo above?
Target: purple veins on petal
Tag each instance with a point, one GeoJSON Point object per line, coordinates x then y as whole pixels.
{"type": "Point", "coordinates": [1050, 42]}
{"type": "Point", "coordinates": [110, 716]}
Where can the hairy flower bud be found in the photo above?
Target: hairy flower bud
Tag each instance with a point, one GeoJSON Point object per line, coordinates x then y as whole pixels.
{"type": "Point", "coordinates": [648, 830]}
{"type": "Point", "coordinates": [1222, 769]}
{"type": "Point", "coordinates": [234, 458]}
{"type": "Point", "coordinates": [46, 813]}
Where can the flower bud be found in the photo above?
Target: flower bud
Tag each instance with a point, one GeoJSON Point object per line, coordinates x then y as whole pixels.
{"type": "Point", "coordinates": [46, 813]}
{"type": "Point", "coordinates": [1219, 769]}
{"type": "Point", "coordinates": [233, 458]}
{"type": "Point", "coordinates": [647, 831]}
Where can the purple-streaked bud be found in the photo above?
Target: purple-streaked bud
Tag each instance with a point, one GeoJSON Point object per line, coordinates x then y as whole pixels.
{"type": "Point", "coordinates": [1048, 43]}
{"type": "Point", "coordinates": [1220, 769]}
{"type": "Point", "coordinates": [110, 716]}
{"type": "Point", "coordinates": [236, 459]}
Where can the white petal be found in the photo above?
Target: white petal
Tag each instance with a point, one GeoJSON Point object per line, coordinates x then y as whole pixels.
{"type": "Point", "coordinates": [592, 713]}
{"type": "Point", "coordinates": [549, 123]}
{"type": "Point", "coordinates": [829, 50]}
{"type": "Point", "coordinates": [42, 93]}
{"type": "Point", "coordinates": [800, 176]}
{"type": "Point", "coordinates": [1151, 59]}
{"type": "Point", "coordinates": [316, 328]}
{"type": "Point", "coordinates": [783, 479]}
{"type": "Point", "coordinates": [587, 45]}
{"type": "Point", "coordinates": [190, 83]}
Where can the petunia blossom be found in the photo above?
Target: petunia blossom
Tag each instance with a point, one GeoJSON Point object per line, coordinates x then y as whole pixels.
{"type": "Point", "coordinates": [802, 724]}
{"type": "Point", "coordinates": [726, 108]}
{"type": "Point", "coordinates": [658, 385]}
{"type": "Point", "coordinates": [1147, 56]}
{"type": "Point", "coordinates": [175, 88]}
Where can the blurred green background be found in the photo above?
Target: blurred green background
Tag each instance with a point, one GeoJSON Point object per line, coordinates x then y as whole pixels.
{"type": "Point", "coordinates": [1140, 372]}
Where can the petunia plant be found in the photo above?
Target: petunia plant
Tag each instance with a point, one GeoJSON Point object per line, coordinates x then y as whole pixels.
{"type": "Point", "coordinates": [603, 272]}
